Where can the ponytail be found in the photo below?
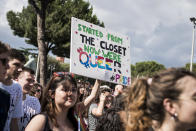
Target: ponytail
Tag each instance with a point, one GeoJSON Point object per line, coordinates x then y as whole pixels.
{"type": "Point", "coordinates": [137, 117]}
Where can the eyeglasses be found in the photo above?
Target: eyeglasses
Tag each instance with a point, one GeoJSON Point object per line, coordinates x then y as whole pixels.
{"type": "Point", "coordinates": [4, 61]}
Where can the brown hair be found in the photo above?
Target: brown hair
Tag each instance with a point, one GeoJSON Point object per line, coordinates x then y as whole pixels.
{"type": "Point", "coordinates": [48, 104]}
{"type": "Point", "coordinates": [101, 90]}
{"type": "Point", "coordinates": [25, 69]}
{"type": "Point", "coordinates": [109, 99]}
{"type": "Point", "coordinates": [4, 48]}
{"type": "Point", "coordinates": [80, 84]}
{"type": "Point", "coordinates": [146, 98]}
{"type": "Point", "coordinates": [15, 54]}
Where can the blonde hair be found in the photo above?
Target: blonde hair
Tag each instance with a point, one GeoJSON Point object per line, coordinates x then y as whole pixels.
{"type": "Point", "coordinates": [146, 98]}
{"type": "Point", "coordinates": [137, 120]}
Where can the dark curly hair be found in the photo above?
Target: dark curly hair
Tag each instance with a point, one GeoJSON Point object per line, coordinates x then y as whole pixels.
{"type": "Point", "coordinates": [110, 121]}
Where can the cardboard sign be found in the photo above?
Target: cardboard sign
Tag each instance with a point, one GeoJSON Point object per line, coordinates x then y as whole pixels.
{"type": "Point", "coordinates": [99, 53]}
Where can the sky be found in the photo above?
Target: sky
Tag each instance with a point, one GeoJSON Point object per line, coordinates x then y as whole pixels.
{"type": "Point", "coordinates": [160, 30]}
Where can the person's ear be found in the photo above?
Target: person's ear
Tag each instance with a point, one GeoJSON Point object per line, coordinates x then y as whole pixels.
{"type": "Point", "coordinates": [169, 106]}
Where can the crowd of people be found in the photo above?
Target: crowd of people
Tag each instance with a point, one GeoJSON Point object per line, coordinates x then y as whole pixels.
{"type": "Point", "coordinates": [163, 102]}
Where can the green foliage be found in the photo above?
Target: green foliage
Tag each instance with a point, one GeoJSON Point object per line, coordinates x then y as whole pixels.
{"type": "Point", "coordinates": [28, 51]}
{"type": "Point", "coordinates": [146, 68]}
{"type": "Point", "coordinates": [187, 67]}
{"type": "Point", "coordinates": [56, 66]}
{"type": "Point", "coordinates": [58, 23]}
{"type": "Point", "coordinates": [24, 24]}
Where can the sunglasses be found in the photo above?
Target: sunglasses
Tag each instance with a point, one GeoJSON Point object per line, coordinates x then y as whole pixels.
{"type": "Point", "coordinates": [63, 74]}
{"type": "Point", "coordinates": [38, 90]}
{"type": "Point", "coordinates": [4, 61]}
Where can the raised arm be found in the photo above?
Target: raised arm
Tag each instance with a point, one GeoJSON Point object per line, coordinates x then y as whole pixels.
{"type": "Point", "coordinates": [99, 110]}
{"type": "Point", "coordinates": [90, 98]}
{"type": "Point", "coordinates": [83, 105]}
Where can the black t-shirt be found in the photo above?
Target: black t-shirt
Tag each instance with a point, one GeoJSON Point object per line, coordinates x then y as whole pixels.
{"type": "Point", "coordinates": [4, 107]}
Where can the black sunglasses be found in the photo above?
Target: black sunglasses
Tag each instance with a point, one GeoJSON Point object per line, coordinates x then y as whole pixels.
{"type": "Point", "coordinates": [38, 90]}
{"type": "Point", "coordinates": [4, 61]}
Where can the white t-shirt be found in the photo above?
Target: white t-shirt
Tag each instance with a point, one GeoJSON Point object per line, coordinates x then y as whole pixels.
{"type": "Point", "coordinates": [31, 107]}
{"type": "Point", "coordinates": [15, 110]}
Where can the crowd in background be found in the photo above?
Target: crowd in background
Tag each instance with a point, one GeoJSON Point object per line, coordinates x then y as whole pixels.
{"type": "Point", "coordinates": [164, 102]}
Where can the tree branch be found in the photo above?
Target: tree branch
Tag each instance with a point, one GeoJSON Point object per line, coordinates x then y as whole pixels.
{"type": "Point", "coordinates": [48, 2]}
{"type": "Point", "coordinates": [33, 3]}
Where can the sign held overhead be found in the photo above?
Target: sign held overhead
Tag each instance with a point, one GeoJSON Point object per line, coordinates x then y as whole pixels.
{"type": "Point", "coordinates": [99, 53]}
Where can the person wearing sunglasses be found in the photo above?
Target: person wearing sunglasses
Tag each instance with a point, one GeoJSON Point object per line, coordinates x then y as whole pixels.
{"type": "Point", "coordinates": [4, 95]}
{"type": "Point", "coordinates": [60, 110]}
{"type": "Point", "coordinates": [37, 91]}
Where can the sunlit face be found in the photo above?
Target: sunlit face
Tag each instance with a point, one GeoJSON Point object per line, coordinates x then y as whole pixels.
{"type": "Point", "coordinates": [65, 97]}
{"type": "Point", "coordinates": [187, 103]}
{"type": "Point", "coordinates": [3, 65]}
{"type": "Point", "coordinates": [15, 67]}
{"type": "Point", "coordinates": [119, 88]}
{"type": "Point", "coordinates": [26, 81]}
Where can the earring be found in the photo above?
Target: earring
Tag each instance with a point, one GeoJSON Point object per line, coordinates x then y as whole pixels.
{"type": "Point", "coordinates": [174, 116]}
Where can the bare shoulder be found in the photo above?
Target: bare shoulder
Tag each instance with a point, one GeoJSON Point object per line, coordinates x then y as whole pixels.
{"type": "Point", "coordinates": [37, 123]}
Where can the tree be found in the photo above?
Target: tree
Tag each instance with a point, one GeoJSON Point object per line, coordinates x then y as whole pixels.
{"type": "Point", "coordinates": [56, 66]}
{"type": "Point", "coordinates": [146, 68]}
{"type": "Point", "coordinates": [187, 67]}
{"type": "Point", "coordinates": [58, 24]}
{"type": "Point", "coordinates": [46, 24]}
{"type": "Point", "coordinates": [28, 51]}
